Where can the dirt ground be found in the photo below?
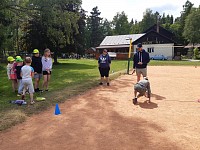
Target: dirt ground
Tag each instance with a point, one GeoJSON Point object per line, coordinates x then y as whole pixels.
{"type": "Point", "coordinates": [105, 118]}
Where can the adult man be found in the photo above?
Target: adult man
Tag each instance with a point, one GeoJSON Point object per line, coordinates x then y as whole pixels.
{"type": "Point", "coordinates": [37, 66]}
{"type": "Point", "coordinates": [140, 61]}
{"type": "Point", "coordinates": [143, 88]}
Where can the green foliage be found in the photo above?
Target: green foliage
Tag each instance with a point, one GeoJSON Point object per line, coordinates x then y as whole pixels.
{"type": "Point", "coordinates": [192, 26]}
{"type": "Point", "coordinates": [196, 53]}
{"type": "Point", "coordinates": [121, 24]}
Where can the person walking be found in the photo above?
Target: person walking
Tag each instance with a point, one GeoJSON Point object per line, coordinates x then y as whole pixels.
{"type": "Point", "coordinates": [104, 62]}
{"type": "Point", "coordinates": [140, 61]}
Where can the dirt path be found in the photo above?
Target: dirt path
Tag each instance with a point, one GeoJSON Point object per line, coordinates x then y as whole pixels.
{"type": "Point", "coordinates": [105, 118]}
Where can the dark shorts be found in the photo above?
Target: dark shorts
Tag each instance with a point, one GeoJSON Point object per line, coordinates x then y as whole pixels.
{"type": "Point", "coordinates": [104, 72]}
{"type": "Point", "coordinates": [46, 73]}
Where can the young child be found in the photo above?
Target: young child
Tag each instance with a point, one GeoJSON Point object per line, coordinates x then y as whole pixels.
{"type": "Point", "coordinates": [11, 72]}
{"type": "Point", "coordinates": [27, 73]}
{"type": "Point", "coordinates": [37, 66]}
{"type": "Point", "coordinates": [46, 68]}
{"type": "Point", "coordinates": [143, 88]}
{"type": "Point", "coordinates": [19, 62]}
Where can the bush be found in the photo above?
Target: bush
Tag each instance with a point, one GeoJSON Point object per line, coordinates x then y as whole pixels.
{"type": "Point", "coordinates": [196, 53]}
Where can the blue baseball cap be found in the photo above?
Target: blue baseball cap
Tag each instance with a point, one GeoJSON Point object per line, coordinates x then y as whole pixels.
{"type": "Point", "coordinates": [139, 45]}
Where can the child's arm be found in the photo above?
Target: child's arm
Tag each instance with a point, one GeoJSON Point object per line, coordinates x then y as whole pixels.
{"type": "Point", "coordinates": [32, 72]}
{"type": "Point", "coordinates": [8, 71]}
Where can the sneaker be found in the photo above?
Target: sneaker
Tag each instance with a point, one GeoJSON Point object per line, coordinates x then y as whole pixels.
{"type": "Point", "coordinates": [135, 101]}
{"type": "Point", "coordinates": [32, 102]}
{"type": "Point", "coordinates": [47, 90]}
{"type": "Point", "coordinates": [23, 97]}
{"type": "Point", "coordinates": [37, 90]}
{"type": "Point", "coordinates": [108, 84]}
{"type": "Point", "coordinates": [18, 95]}
{"type": "Point", "coordinates": [100, 83]}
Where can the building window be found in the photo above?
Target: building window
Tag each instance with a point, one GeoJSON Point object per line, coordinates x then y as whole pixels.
{"type": "Point", "coordinates": [150, 50]}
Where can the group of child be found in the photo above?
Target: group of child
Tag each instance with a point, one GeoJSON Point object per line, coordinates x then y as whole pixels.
{"type": "Point", "coordinates": [20, 73]}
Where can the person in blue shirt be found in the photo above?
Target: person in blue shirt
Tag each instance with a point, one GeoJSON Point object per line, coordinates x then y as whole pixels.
{"type": "Point", "coordinates": [104, 66]}
{"type": "Point", "coordinates": [140, 61]}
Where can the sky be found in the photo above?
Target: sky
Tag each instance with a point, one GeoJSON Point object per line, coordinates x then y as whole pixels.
{"type": "Point", "coordinates": [135, 8]}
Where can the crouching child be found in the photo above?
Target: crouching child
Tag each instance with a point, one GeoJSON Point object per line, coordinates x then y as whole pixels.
{"type": "Point", "coordinates": [142, 88]}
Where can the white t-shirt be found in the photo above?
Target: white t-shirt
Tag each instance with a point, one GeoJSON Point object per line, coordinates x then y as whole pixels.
{"type": "Point", "coordinates": [26, 72]}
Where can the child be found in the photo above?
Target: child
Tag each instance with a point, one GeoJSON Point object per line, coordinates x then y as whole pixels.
{"type": "Point", "coordinates": [143, 88]}
{"type": "Point", "coordinates": [46, 68]}
{"type": "Point", "coordinates": [19, 62]}
{"type": "Point", "coordinates": [27, 72]}
{"type": "Point", "coordinates": [11, 72]}
{"type": "Point", "coordinates": [37, 66]}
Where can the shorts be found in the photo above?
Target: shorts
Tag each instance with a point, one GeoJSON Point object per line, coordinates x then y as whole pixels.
{"type": "Point", "coordinates": [104, 72]}
{"type": "Point", "coordinates": [38, 76]}
{"type": "Point", "coordinates": [140, 89]}
{"type": "Point", "coordinates": [12, 76]}
{"type": "Point", "coordinates": [28, 83]}
{"type": "Point", "coordinates": [46, 73]}
{"type": "Point", "coordinates": [142, 71]}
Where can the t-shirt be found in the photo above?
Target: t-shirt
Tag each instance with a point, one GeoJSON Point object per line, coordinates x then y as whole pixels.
{"type": "Point", "coordinates": [18, 71]}
{"type": "Point", "coordinates": [104, 61]}
{"type": "Point", "coordinates": [27, 72]}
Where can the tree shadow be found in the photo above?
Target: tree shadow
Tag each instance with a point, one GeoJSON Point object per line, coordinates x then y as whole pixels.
{"type": "Point", "coordinates": [147, 105]}
{"type": "Point", "coordinates": [158, 97]}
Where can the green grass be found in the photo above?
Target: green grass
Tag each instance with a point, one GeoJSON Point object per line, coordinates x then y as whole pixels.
{"type": "Point", "coordinates": [174, 63]}
{"type": "Point", "coordinates": [69, 78]}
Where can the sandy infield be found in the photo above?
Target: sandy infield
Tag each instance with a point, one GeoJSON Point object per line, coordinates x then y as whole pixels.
{"type": "Point", "coordinates": [104, 118]}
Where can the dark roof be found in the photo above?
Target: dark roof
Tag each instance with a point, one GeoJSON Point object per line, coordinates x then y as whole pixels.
{"type": "Point", "coordinates": [162, 31]}
{"type": "Point", "coordinates": [155, 33]}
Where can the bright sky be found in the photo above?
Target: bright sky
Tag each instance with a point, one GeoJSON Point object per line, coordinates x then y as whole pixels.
{"type": "Point", "coordinates": [135, 8]}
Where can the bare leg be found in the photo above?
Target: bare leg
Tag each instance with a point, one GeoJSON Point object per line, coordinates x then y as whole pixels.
{"type": "Point", "coordinates": [31, 97]}
{"type": "Point", "coordinates": [37, 80]}
{"type": "Point", "coordinates": [102, 79]}
{"type": "Point", "coordinates": [135, 94]}
{"type": "Point", "coordinates": [13, 85]}
{"type": "Point", "coordinates": [45, 81]}
{"type": "Point", "coordinates": [138, 78]}
{"type": "Point", "coordinates": [107, 79]}
{"type": "Point", "coordinates": [16, 84]}
{"type": "Point", "coordinates": [48, 79]}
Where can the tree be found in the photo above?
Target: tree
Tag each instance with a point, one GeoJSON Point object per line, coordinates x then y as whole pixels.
{"type": "Point", "coordinates": [192, 26]}
{"type": "Point", "coordinates": [196, 53]}
{"type": "Point", "coordinates": [149, 19]}
{"type": "Point", "coordinates": [121, 24]}
{"type": "Point", "coordinates": [58, 20]}
{"type": "Point", "coordinates": [94, 28]}
{"type": "Point", "coordinates": [107, 28]}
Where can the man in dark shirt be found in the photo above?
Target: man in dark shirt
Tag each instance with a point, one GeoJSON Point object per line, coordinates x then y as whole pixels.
{"type": "Point", "coordinates": [37, 66]}
{"type": "Point", "coordinates": [140, 61]}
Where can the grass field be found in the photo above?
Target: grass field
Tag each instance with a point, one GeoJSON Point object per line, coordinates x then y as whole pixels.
{"type": "Point", "coordinates": [69, 78]}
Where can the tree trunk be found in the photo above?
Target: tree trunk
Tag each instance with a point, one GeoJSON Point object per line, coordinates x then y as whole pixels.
{"type": "Point", "coordinates": [55, 57]}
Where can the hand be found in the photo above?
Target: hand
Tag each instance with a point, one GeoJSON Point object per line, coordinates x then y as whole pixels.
{"type": "Point", "coordinates": [140, 63]}
{"type": "Point", "coordinates": [35, 73]}
{"type": "Point", "coordinates": [133, 71]}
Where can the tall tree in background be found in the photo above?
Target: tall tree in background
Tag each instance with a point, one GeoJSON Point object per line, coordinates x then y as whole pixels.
{"type": "Point", "coordinates": [149, 19]}
{"type": "Point", "coordinates": [121, 24]}
{"type": "Point", "coordinates": [59, 21]}
{"type": "Point", "coordinates": [94, 27]}
{"type": "Point", "coordinates": [192, 26]}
